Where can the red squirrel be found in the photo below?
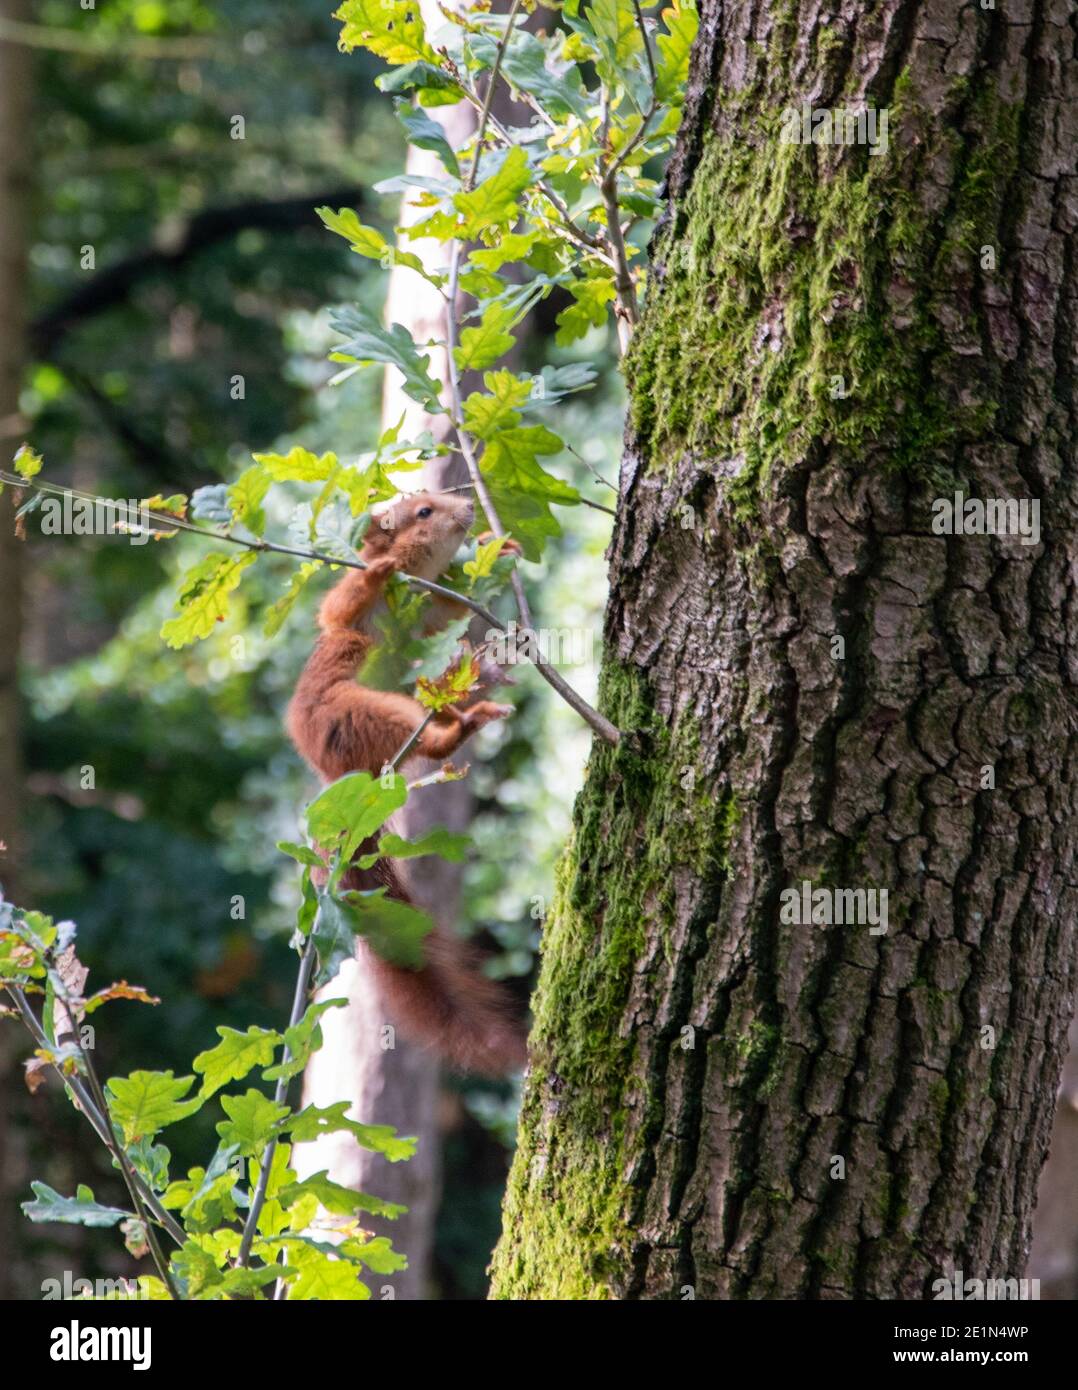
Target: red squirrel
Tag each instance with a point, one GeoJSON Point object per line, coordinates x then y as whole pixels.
{"type": "Point", "coordinates": [339, 726]}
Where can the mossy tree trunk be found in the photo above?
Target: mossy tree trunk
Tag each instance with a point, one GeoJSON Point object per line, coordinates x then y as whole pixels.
{"type": "Point", "coordinates": [834, 339]}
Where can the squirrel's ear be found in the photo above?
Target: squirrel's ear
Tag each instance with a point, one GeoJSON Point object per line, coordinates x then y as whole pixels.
{"type": "Point", "coordinates": [376, 528]}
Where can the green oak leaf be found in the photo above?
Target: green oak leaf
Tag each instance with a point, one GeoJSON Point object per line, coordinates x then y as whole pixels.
{"type": "Point", "coordinates": [617, 31]}
{"type": "Point", "coordinates": [80, 1210]}
{"type": "Point", "coordinates": [393, 29]}
{"type": "Point", "coordinates": [313, 1121]}
{"type": "Point", "coordinates": [591, 295]}
{"type": "Point", "coordinates": [302, 854]}
{"type": "Point", "coordinates": [485, 415]}
{"type": "Point", "coordinates": [366, 241]}
{"type": "Point", "coordinates": [235, 1056]}
{"type": "Point", "coordinates": [352, 808]}
{"type": "Point", "coordinates": [672, 67]}
{"type": "Point", "coordinates": [246, 496]}
{"type": "Point", "coordinates": [395, 930]}
{"type": "Point", "coordinates": [532, 67]}
{"type": "Point", "coordinates": [301, 1040]}
{"type": "Point", "coordinates": [368, 340]}
{"type": "Point", "coordinates": [245, 1281]}
{"type": "Point", "coordinates": [343, 1201]}
{"type": "Point", "coordinates": [277, 613]}
{"type": "Point", "coordinates": [147, 1101]}
{"type": "Point", "coordinates": [432, 85]}
{"type": "Point", "coordinates": [206, 1197]}
{"type": "Point", "coordinates": [334, 933]}
{"type": "Point", "coordinates": [151, 1161]}
{"type": "Point", "coordinates": [28, 463]}
{"type": "Point", "coordinates": [481, 346]}
{"type": "Point", "coordinates": [486, 557]}
{"type": "Point", "coordinates": [253, 1120]}
{"type": "Point", "coordinates": [437, 840]}
{"type": "Point", "coordinates": [203, 597]}
{"type": "Point", "coordinates": [377, 1254]}
{"type": "Point", "coordinates": [324, 1277]}
{"type": "Point", "coordinates": [299, 465]}
{"type": "Point", "coordinates": [521, 489]}
{"type": "Point", "coordinates": [513, 246]}
{"type": "Point", "coordinates": [553, 384]}
{"type": "Point", "coordinates": [197, 1269]}
{"type": "Point", "coordinates": [426, 134]}
{"type": "Point", "coordinates": [493, 203]}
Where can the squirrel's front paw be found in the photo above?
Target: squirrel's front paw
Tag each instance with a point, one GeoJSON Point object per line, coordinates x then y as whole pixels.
{"type": "Point", "coordinates": [509, 546]}
{"type": "Point", "coordinates": [381, 568]}
{"type": "Point", "coordinates": [485, 712]}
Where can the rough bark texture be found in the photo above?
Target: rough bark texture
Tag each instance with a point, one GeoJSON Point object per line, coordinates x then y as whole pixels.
{"type": "Point", "coordinates": [652, 1159]}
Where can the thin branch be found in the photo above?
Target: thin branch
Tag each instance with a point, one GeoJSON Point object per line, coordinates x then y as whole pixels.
{"type": "Point", "coordinates": [466, 446]}
{"type": "Point", "coordinates": [299, 1005]}
{"type": "Point", "coordinates": [495, 73]}
{"type": "Point", "coordinates": [89, 1109]}
{"type": "Point", "coordinates": [117, 1150]}
{"type": "Point", "coordinates": [627, 310]}
{"type": "Point", "coordinates": [173, 246]}
{"type": "Point", "coordinates": [648, 53]}
{"type": "Point", "coordinates": [299, 1008]}
{"type": "Point", "coordinates": [597, 506]}
{"type": "Point", "coordinates": [112, 45]}
{"type": "Point", "coordinates": [593, 243]}
{"type": "Point", "coordinates": [591, 468]}
{"type": "Point", "coordinates": [411, 741]}
{"type": "Point", "coordinates": [601, 725]}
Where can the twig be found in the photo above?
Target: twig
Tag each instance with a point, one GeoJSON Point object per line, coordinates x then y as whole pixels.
{"type": "Point", "coordinates": [411, 741]}
{"type": "Point", "coordinates": [303, 980]}
{"type": "Point", "coordinates": [466, 446]}
{"type": "Point", "coordinates": [591, 468]}
{"type": "Point", "coordinates": [299, 1007]}
{"type": "Point", "coordinates": [89, 1109]}
{"type": "Point", "coordinates": [585, 238]}
{"type": "Point", "coordinates": [598, 506]}
{"type": "Point", "coordinates": [111, 45]}
{"type": "Point", "coordinates": [117, 1150]}
{"type": "Point", "coordinates": [649, 115]}
{"type": "Point", "coordinates": [601, 725]}
{"type": "Point", "coordinates": [627, 311]}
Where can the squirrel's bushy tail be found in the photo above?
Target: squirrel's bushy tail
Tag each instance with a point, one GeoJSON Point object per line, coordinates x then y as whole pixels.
{"type": "Point", "coordinates": [446, 1003]}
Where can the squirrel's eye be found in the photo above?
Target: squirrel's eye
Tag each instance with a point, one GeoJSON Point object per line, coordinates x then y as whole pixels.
{"type": "Point", "coordinates": [425, 511]}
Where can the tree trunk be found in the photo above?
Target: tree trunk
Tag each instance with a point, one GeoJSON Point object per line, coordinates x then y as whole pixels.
{"type": "Point", "coordinates": [15, 84]}
{"type": "Point", "coordinates": [720, 1100]}
{"type": "Point", "coordinates": [16, 76]}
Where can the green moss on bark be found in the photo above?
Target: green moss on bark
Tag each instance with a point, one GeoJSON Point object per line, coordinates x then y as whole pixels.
{"type": "Point", "coordinates": [569, 1205]}
{"type": "Point", "coordinates": [797, 273]}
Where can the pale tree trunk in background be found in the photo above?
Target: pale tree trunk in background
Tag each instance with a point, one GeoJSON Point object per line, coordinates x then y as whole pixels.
{"type": "Point", "coordinates": [398, 1086]}
{"type": "Point", "coordinates": [1054, 1257]}
{"type": "Point", "coordinates": [16, 76]}
{"type": "Point", "coordinates": [720, 1100]}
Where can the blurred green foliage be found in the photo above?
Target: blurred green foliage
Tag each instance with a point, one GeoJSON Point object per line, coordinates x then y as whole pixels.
{"type": "Point", "coordinates": [128, 394]}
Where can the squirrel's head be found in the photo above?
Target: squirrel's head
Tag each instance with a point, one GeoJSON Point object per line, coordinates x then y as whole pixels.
{"type": "Point", "coordinates": [422, 530]}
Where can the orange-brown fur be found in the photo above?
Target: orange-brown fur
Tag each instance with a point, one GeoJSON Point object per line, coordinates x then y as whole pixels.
{"type": "Point", "coordinates": [340, 726]}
